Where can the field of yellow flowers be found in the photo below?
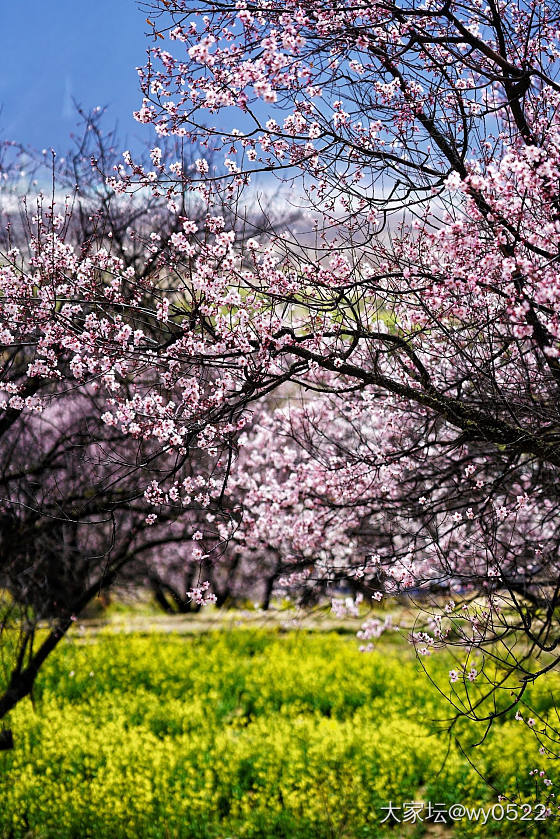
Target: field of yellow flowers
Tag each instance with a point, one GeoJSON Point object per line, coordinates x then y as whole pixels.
{"type": "Point", "coordinates": [246, 733]}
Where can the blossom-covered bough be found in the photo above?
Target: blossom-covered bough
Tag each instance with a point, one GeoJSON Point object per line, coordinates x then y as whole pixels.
{"type": "Point", "coordinates": [407, 324]}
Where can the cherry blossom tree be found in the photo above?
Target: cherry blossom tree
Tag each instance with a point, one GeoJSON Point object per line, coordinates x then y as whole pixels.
{"type": "Point", "coordinates": [422, 141]}
{"type": "Point", "coordinates": [74, 502]}
{"type": "Point", "coordinates": [88, 499]}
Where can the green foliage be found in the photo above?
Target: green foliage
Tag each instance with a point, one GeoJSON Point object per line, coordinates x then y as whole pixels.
{"type": "Point", "coordinates": [242, 734]}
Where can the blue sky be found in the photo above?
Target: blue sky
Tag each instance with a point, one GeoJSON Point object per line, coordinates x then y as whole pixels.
{"type": "Point", "coordinates": [53, 50]}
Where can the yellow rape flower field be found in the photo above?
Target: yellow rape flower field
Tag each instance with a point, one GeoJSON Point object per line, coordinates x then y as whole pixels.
{"type": "Point", "coordinates": [250, 733]}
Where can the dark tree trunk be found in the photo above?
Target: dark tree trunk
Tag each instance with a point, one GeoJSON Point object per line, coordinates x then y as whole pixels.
{"type": "Point", "coordinates": [23, 678]}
